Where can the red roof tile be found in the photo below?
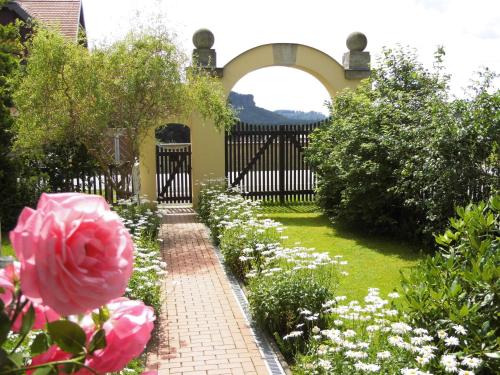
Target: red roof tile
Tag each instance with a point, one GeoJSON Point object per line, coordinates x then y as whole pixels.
{"type": "Point", "coordinates": [62, 14]}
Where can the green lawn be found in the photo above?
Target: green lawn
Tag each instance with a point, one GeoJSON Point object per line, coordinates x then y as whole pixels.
{"type": "Point", "coordinates": [372, 261]}
{"type": "Point", "coordinates": [6, 247]}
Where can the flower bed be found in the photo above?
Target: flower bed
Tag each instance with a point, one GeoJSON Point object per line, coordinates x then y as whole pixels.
{"type": "Point", "coordinates": [376, 338]}
{"type": "Point", "coordinates": [143, 222]}
{"type": "Point", "coordinates": [291, 295]}
{"type": "Point", "coordinates": [281, 281]}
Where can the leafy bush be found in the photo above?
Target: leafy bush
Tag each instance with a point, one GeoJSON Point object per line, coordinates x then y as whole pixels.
{"type": "Point", "coordinates": [460, 284]}
{"type": "Point", "coordinates": [278, 301]}
{"type": "Point", "coordinates": [10, 49]}
{"type": "Point", "coordinates": [244, 246]}
{"type": "Point", "coordinates": [399, 153]}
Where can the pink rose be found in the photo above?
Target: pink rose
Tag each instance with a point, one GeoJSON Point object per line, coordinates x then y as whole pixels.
{"type": "Point", "coordinates": [53, 354]}
{"type": "Point", "coordinates": [43, 315]}
{"type": "Point", "coordinates": [76, 255]}
{"type": "Point", "coordinates": [128, 330]}
{"type": "Point", "coordinates": [8, 278]}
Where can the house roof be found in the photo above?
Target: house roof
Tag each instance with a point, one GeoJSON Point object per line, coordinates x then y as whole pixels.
{"type": "Point", "coordinates": [66, 15]}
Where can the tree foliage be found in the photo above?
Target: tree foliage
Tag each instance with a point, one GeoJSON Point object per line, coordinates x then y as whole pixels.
{"type": "Point", "coordinates": [400, 153]}
{"type": "Point", "coordinates": [10, 49]}
{"type": "Point", "coordinates": [134, 85]}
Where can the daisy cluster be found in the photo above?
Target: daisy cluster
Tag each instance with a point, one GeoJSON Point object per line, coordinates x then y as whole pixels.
{"type": "Point", "coordinates": [143, 222]}
{"type": "Point", "coordinates": [252, 245]}
{"type": "Point", "coordinates": [376, 338]}
{"type": "Point", "coordinates": [279, 279]}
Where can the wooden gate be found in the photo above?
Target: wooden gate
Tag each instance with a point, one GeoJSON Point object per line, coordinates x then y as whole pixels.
{"type": "Point", "coordinates": [267, 161]}
{"type": "Point", "coordinates": [173, 173]}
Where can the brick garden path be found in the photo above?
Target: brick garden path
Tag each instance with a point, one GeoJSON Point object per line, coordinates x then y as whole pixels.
{"type": "Point", "coordinates": [202, 328]}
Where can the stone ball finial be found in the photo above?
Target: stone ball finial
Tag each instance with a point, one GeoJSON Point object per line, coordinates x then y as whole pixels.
{"type": "Point", "coordinates": [356, 41]}
{"type": "Point", "coordinates": [203, 39]}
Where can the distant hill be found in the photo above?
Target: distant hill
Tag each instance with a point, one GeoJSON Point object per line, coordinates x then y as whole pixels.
{"type": "Point", "coordinates": [248, 112]}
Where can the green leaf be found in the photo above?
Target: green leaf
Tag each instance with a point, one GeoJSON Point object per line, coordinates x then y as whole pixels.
{"type": "Point", "coordinates": [464, 311]}
{"type": "Point", "coordinates": [494, 355]}
{"type": "Point", "coordinates": [455, 288]}
{"type": "Point", "coordinates": [27, 321]}
{"type": "Point", "coordinates": [40, 344]}
{"type": "Point", "coordinates": [45, 371]}
{"type": "Point", "coordinates": [4, 359]}
{"type": "Point", "coordinates": [69, 336]}
{"type": "Point", "coordinates": [17, 359]}
{"type": "Point", "coordinates": [4, 327]}
{"type": "Point", "coordinates": [71, 368]}
{"type": "Point", "coordinates": [98, 341]}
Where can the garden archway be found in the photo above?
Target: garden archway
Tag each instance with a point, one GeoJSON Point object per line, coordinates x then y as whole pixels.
{"type": "Point", "coordinates": [208, 159]}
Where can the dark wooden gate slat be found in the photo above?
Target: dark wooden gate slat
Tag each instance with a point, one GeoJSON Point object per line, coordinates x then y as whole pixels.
{"type": "Point", "coordinates": [174, 174]}
{"type": "Point", "coordinates": [268, 162]}
{"type": "Point", "coordinates": [256, 158]}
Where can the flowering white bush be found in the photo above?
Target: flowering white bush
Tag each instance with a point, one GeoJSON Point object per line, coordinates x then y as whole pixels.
{"type": "Point", "coordinates": [375, 338]}
{"type": "Point", "coordinates": [280, 280]}
{"type": "Point", "coordinates": [143, 222]}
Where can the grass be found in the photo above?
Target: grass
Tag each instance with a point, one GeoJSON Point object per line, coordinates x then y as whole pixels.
{"type": "Point", "coordinates": [372, 261]}
{"type": "Point", "coordinates": [6, 246]}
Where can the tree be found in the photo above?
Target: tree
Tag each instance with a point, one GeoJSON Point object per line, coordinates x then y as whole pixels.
{"type": "Point", "coordinates": [399, 153]}
{"type": "Point", "coordinates": [10, 48]}
{"type": "Point", "coordinates": [131, 86]}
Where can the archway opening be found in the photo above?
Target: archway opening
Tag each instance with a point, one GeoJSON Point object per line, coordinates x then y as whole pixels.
{"type": "Point", "coordinates": [173, 164]}
{"type": "Point", "coordinates": [173, 133]}
{"type": "Point", "coordinates": [278, 109]}
{"type": "Point", "coordinates": [279, 95]}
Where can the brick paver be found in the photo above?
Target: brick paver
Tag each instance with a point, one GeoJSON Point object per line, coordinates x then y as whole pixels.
{"type": "Point", "coordinates": [202, 328]}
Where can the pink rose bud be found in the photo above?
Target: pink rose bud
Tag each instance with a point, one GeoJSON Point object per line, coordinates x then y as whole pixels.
{"type": "Point", "coordinates": [8, 277]}
{"type": "Point", "coordinates": [128, 330]}
{"type": "Point", "coordinates": [43, 315]}
{"type": "Point", "coordinates": [53, 354]}
{"type": "Point", "coordinates": [76, 255]}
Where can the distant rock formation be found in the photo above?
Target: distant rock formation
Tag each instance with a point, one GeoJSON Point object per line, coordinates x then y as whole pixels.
{"type": "Point", "coordinates": [248, 112]}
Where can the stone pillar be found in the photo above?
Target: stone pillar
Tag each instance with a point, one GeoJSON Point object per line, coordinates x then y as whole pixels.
{"type": "Point", "coordinates": [356, 62]}
{"type": "Point", "coordinates": [207, 143]}
{"type": "Point", "coordinates": [204, 55]}
{"type": "Point", "coordinates": [147, 168]}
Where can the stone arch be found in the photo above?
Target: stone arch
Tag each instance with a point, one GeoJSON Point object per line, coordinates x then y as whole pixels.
{"type": "Point", "coordinates": [208, 156]}
{"type": "Point", "coordinates": [307, 59]}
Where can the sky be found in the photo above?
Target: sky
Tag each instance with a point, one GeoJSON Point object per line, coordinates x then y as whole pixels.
{"type": "Point", "coordinates": [468, 30]}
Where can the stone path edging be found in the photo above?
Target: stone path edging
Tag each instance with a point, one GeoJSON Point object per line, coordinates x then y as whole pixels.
{"type": "Point", "coordinates": [275, 364]}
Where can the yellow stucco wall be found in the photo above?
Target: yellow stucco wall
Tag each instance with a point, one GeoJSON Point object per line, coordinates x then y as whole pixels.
{"type": "Point", "coordinates": [206, 142]}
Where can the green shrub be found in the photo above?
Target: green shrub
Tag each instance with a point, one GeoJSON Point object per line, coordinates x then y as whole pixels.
{"type": "Point", "coordinates": [282, 281]}
{"type": "Point", "coordinates": [243, 244]}
{"type": "Point", "coordinates": [141, 220]}
{"type": "Point", "coordinates": [400, 154]}
{"type": "Point", "coordinates": [208, 192]}
{"type": "Point", "coordinates": [460, 284]}
{"type": "Point", "coordinates": [276, 301]}
{"type": "Point", "coordinates": [10, 50]}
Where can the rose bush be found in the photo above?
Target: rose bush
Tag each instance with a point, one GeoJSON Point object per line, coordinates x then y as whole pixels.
{"type": "Point", "coordinates": [64, 295]}
{"type": "Point", "coordinates": [128, 330]}
{"type": "Point", "coordinates": [75, 253]}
